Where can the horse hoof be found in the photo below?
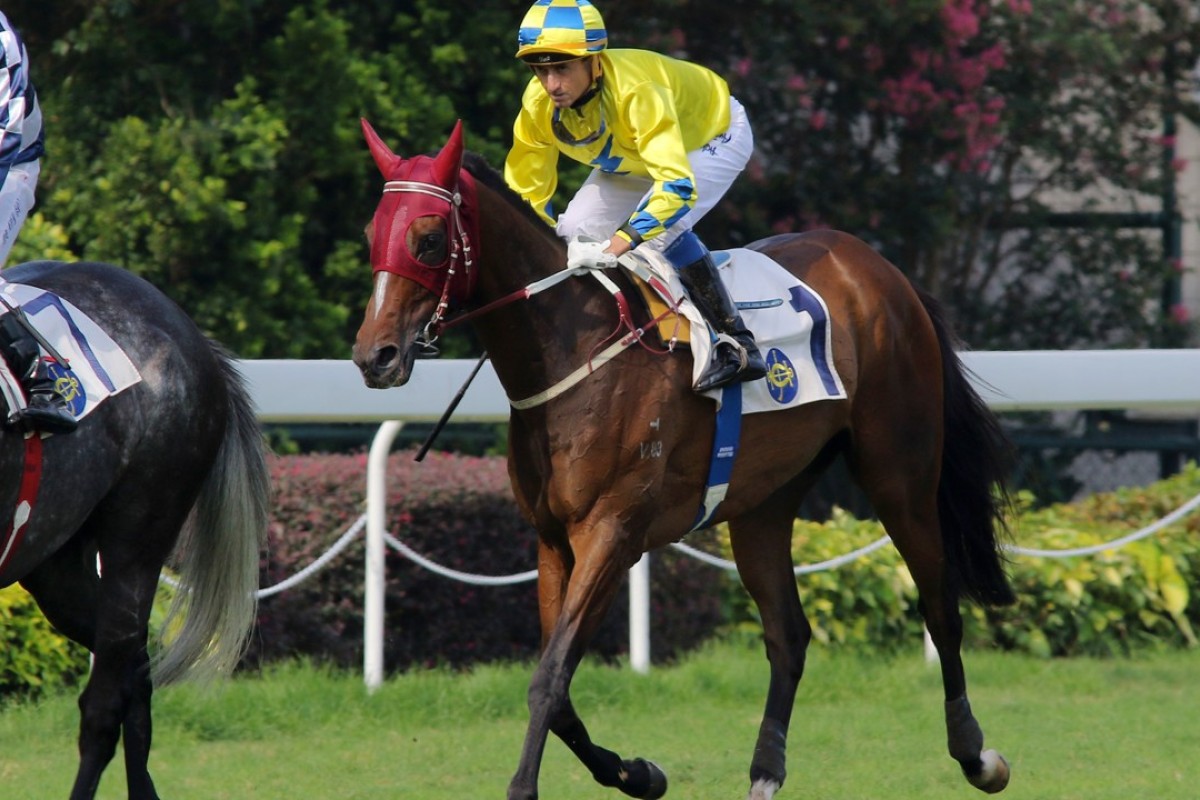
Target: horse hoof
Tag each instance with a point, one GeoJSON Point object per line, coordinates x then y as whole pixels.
{"type": "Point", "coordinates": [993, 774]}
{"type": "Point", "coordinates": [656, 781]}
{"type": "Point", "coordinates": [763, 789]}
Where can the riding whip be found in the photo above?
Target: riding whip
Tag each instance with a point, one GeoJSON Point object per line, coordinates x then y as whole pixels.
{"type": "Point", "coordinates": [441, 423]}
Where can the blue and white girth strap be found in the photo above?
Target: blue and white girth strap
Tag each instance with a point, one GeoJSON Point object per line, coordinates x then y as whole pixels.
{"type": "Point", "coordinates": [725, 446]}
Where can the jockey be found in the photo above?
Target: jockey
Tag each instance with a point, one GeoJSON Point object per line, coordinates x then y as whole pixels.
{"type": "Point", "coordinates": [665, 139]}
{"type": "Point", "coordinates": [21, 147]}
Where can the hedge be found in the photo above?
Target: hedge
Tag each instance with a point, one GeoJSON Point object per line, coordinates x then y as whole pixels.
{"type": "Point", "coordinates": [1119, 600]}
{"type": "Point", "coordinates": [459, 512]}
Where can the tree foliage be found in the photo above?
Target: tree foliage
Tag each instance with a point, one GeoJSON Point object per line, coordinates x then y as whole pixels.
{"type": "Point", "coordinates": [214, 147]}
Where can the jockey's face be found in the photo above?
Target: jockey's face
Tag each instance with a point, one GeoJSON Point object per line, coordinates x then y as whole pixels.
{"type": "Point", "coordinates": [565, 81]}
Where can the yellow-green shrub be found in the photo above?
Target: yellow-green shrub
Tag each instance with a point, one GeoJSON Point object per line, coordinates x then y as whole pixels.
{"type": "Point", "coordinates": [33, 656]}
{"type": "Point", "coordinates": [1112, 602]}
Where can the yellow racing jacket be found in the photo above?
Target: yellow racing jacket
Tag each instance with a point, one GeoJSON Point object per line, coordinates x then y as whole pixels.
{"type": "Point", "coordinates": [651, 110]}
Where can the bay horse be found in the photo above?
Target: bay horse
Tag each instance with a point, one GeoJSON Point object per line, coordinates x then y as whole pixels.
{"type": "Point", "coordinates": [171, 470]}
{"type": "Point", "coordinates": [448, 236]}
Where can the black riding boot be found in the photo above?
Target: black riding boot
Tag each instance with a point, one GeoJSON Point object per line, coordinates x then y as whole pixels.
{"type": "Point", "coordinates": [45, 409]}
{"type": "Point", "coordinates": [728, 363]}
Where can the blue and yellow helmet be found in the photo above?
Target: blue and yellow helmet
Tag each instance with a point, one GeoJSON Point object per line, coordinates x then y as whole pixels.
{"type": "Point", "coordinates": [560, 30]}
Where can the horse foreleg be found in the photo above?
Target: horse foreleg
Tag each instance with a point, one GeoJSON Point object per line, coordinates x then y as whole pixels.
{"type": "Point", "coordinates": [67, 589]}
{"type": "Point", "coordinates": [762, 549]}
{"type": "Point", "coordinates": [635, 777]}
{"type": "Point", "coordinates": [574, 599]}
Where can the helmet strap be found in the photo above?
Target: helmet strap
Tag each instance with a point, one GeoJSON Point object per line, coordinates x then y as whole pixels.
{"type": "Point", "coordinates": [593, 90]}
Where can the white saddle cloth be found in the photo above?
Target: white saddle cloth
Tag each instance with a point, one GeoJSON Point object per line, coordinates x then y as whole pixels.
{"type": "Point", "coordinates": [96, 369]}
{"type": "Point", "coordinates": [789, 320]}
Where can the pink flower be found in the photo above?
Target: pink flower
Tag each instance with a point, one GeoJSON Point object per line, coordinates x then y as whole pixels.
{"type": "Point", "coordinates": [994, 57]}
{"type": "Point", "coordinates": [818, 120]}
{"type": "Point", "coordinates": [961, 21]}
{"type": "Point", "coordinates": [1180, 313]}
{"type": "Point", "coordinates": [742, 67]}
{"type": "Point", "coordinates": [971, 74]}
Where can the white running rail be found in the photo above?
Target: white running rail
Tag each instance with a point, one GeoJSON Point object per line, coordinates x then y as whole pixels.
{"type": "Point", "coordinates": [1165, 381]}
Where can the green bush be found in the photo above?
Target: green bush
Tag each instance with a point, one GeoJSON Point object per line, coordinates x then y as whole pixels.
{"type": "Point", "coordinates": [1135, 596]}
{"type": "Point", "coordinates": [33, 656]}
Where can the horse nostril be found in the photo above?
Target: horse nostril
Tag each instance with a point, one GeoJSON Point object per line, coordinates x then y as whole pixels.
{"type": "Point", "coordinates": [385, 358]}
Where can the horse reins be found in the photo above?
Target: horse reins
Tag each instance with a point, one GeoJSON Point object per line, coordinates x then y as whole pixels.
{"type": "Point", "coordinates": [461, 246]}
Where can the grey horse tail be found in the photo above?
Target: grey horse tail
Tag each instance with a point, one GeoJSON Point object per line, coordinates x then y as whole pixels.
{"type": "Point", "coordinates": [209, 624]}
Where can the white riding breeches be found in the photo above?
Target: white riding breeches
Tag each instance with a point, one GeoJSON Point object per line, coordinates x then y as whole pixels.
{"type": "Point", "coordinates": [16, 201]}
{"type": "Point", "coordinates": [605, 201]}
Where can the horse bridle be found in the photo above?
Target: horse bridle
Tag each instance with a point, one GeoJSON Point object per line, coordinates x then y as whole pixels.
{"type": "Point", "coordinates": [460, 246]}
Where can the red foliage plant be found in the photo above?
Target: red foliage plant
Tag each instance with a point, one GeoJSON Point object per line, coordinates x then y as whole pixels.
{"type": "Point", "coordinates": [457, 511]}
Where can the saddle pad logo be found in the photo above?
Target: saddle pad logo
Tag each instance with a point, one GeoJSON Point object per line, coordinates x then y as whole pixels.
{"type": "Point", "coordinates": [781, 377]}
{"type": "Point", "coordinates": [69, 386]}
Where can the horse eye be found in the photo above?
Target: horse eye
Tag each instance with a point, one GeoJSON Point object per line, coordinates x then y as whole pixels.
{"type": "Point", "coordinates": [431, 249]}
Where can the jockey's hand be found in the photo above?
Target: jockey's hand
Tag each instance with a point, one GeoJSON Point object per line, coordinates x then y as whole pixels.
{"type": "Point", "coordinates": [584, 254]}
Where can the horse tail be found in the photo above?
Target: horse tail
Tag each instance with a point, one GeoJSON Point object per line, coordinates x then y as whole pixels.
{"type": "Point", "coordinates": [973, 493]}
{"type": "Point", "coordinates": [219, 550]}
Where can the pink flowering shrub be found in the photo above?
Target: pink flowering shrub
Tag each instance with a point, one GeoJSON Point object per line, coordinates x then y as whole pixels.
{"type": "Point", "coordinates": [457, 511]}
{"type": "Point", "coordinates": [981, 145]}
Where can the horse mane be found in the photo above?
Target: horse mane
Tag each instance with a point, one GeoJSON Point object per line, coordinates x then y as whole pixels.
{"type": "Point", "coordinates": [484, 173]}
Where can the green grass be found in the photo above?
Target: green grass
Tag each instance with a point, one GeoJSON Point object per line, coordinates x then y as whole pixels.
{"type": "Point", "coordinates": [869, 729]}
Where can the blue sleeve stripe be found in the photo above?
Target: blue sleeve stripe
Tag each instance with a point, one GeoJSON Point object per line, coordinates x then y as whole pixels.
{"type": "Point", "coordinates": [678, 215]}
{"type": "Point", "coordinates": [643, 223]}
{"type": "Point", "coordinates": [682, 188]}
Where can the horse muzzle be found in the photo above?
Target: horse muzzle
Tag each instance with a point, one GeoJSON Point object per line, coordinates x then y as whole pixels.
{"type": "Point", "coordinates": [385, 366]}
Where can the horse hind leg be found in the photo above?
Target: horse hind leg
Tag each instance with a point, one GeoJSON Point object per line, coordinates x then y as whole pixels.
{"type": "Point", "coordinates": [761, 544]}
{"type": "Point", "coordinates": [116, 701]}
{"type": "Point", "coordinates": [903, 494]}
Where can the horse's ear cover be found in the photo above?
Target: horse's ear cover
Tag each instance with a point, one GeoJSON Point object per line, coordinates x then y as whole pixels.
{"type": "Point", "coordinates": [400, 206]}
{"type": "Point", "coordinates": [449, 161]}
{"type": "Point", "coordinates": [385, 159]}
{"type": "Point", "coordinates": [446, 165]}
